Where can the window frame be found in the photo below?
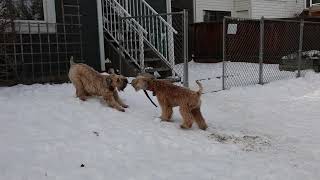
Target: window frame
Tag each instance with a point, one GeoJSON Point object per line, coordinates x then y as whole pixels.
{"type": "Point", "coordinates": [216, 12]}
{"type": "Point", "coordinates": [47, 25]}
{"type": "Point", "coordinates": [49, 13]}
{"type": "Point", "coordinates": [312, 4]}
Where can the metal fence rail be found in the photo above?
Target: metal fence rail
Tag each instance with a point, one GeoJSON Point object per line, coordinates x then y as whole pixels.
{"type": "Point", "coordinates": [258, 51]}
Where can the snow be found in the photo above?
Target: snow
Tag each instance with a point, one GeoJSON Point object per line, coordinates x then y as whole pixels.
{"type": "Point", "coordinates": [268, 132]}
{"type": "Point", "coordinates": [309, 54]}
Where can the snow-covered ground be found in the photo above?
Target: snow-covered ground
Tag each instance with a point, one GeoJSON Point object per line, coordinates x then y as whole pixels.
{"type": "Point", "coordinates": [268, 132]}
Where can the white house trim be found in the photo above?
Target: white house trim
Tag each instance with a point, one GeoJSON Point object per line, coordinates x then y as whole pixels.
{"type": "Point", "coordinates": [168, 6]}
{"type": "Point", "coordinates": [101, 36]}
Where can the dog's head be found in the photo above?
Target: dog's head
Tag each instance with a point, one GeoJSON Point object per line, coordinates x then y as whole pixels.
{"type": "Point", "coordinates": [116, 81]}
{"type": "Point", "coordinates": [142, 81]}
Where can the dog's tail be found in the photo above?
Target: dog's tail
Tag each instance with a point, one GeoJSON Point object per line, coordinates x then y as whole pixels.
{"type": "Point", "coordinates": [199, 92]}
{"type": "Point", "coordinates": [71, 61]}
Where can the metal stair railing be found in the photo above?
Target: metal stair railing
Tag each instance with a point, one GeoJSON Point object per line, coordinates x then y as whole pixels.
{"type": "Point", "coordinates": [128, 34]}
{"type": "Point", "coordinates": [160, 31]}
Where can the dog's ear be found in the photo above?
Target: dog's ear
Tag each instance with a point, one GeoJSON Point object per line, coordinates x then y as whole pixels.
{"type": "Point", "coordinates": [109, 83]}
{"type": "Point", "coordinates": [147, 83]}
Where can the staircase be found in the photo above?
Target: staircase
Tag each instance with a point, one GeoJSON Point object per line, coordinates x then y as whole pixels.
{"type": "Point", "coordinates": [141, 36]}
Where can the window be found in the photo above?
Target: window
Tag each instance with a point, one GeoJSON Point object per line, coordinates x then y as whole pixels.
{"type": "Point", "coordinates": [29, 9]}
{"type": "Point", "coordinates": [315, 1]}
{"type": "Point", "coordinates": [215, 16]}
{"type": "Point", "coordinates": [312, 2]}
{"type": "Point", "coordinates": [32, 10]}
{"type": "Point", "coordinates": [29, 13]}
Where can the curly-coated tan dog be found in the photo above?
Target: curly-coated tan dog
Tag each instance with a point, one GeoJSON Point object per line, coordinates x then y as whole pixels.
{"type": "Point", "coordinates": [89, 82]}
{"type": "Point", "coordinates": [170, 95]}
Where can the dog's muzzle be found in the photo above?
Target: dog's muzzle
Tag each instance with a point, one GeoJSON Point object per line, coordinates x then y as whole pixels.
{"type": "Point", "coordinates": [133, 84]}
{"type": "Point", "coordinates": [124, 84]}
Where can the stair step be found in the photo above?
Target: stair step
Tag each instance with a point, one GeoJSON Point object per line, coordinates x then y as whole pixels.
{"type": "Point", "coordinates": [130, 40]}
{"type": "Point", "coordinates": [173, 79]}
{"type": "Point", "coordinates": [152, 59]}
{"type": "Point", "coordinates": [120, 31]}
{"type": "Point", "coordinates": [151, 70]}
{"type": "Point", "coordinates": [147, 49]}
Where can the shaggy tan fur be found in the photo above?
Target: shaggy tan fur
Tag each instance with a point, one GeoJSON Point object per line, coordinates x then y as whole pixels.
{"type": "Point", "coordinates": [89, 82]}
{"type": "Point", "coordinates": [170, 95]}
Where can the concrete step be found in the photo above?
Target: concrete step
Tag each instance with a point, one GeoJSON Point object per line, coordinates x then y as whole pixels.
{"type": "Point", "coordinates": [160, 69]}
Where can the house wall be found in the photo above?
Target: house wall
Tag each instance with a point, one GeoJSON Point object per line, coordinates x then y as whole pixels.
{"type": "Point", "coordinates": [251, 8]}
{"type": "Point", "coordinates": [242, 8]}
{"type": "Point", "coordinates": [179, 5]}
{"type": "Point", "coordinates": [90, 33]}
{"type": "Point", "coordinates": [214, 5]}
{"type": "Point", "coordinates": [159, 5]}
{"type": "Point", "coordinates": [276, 8]}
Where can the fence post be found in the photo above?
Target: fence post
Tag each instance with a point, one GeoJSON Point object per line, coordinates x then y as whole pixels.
{"type": "Point", "coordinates": [223, 53]}
{"type": "Point", "coordinates": [300, 47]}
{"type": "Point", "coordinates": [261, 50]}
{"type": "Point", "coordinates": [185, 49]}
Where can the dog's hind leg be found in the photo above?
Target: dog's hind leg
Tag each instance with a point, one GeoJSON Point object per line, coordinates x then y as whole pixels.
{"type": "Point", "coordinates": [117, 98]}
{"type": "Point", "coordinates": [187, 117]}
{"type": "Point", "coordinates": [80, 92]}
{"type": "Point", "coordinates": [199, 118]}
{"type": "Point", "coordinates": [109, 98]}
{"type": "Point", "coordinates": [166, 112]}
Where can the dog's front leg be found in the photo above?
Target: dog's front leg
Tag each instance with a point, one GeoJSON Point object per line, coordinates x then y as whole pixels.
{"type": "Point", "coordinates": [117, 98]}
{"type": "Point", "coordinates": [109, 98]}
{"type": "Point", "coordinates": [166, 112]}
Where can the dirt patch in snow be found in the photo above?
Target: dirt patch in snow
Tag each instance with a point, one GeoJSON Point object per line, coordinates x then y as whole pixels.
{"type": "Point", "coordinates": [247, 143]}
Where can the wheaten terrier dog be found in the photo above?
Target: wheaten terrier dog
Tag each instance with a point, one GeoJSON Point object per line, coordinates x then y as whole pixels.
{"type": "Point", "coordinates": [89, 82]}
{"type": "Point", "coordinates": [170, 95]}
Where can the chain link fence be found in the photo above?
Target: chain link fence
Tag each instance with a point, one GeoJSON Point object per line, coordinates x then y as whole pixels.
{"type": "Point", "coordinates": [258, 51]}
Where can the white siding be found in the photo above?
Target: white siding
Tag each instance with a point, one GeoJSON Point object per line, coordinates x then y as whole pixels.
{"type": "Point", "coordinates": [276, 8]}
{"type": "Point", "coordinates": [241, 5]}
{"type": "Point", "coordinates": [251, 8]}
{"type": "Point", "coordinates": [213, 5]}
{"type": "Point", "coordinates": [242, 14]}
{"type": "Point", "coordinates": [241, 8]}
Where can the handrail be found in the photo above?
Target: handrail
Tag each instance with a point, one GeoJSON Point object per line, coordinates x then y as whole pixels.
{"type": "Point", "coordinates": [155, 12]}
{"type": "Point", "coordinates": [128, 15]}
{"type": "Point", "coordinates": [134, 24]}
{"type": "Point", "coordinates": [153, 15]}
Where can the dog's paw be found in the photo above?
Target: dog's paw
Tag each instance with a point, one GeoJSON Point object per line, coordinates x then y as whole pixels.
{"type": "Point", "coordinates": [183, 126]}
{"type": "Point", "coordinates": [83, 98]}
{"type": "Point", "coordinates": [204, 127]}
{"type": "Point", "coordinates": [122, 110]}
{"type": "Point", "coordinates": [165, 120]}
{"type": "Point", "coordinates": [125, 106]}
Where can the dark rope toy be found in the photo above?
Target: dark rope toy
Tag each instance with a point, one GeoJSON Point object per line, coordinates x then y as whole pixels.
{"type": "Point", "coordinates": [146, 93]}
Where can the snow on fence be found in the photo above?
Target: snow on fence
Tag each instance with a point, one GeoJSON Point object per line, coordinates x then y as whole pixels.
{"type": "Point", "coordinates": [258, 51]}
